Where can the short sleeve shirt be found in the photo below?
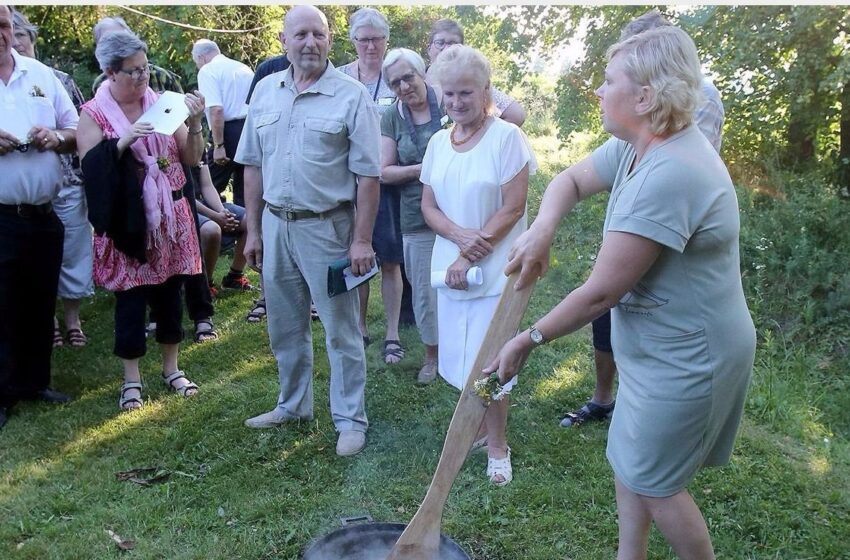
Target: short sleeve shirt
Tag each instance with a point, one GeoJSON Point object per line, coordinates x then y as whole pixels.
{"type": "Point", "coordinates": [33, 97]}
{"type": "Point", "coordinates": [224, 83]}
{"type": "Point", "coordinates": [311, 145]}
{"type": "Point", "coordinates": [468, 190]}
{"type": "Point", "coordinates": [408, 152]}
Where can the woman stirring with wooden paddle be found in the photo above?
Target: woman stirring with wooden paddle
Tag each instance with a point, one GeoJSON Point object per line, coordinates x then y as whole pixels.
{"type": "Point", "coordinates": [475, 179]}
{"type": "Point", "coordinates": [669, 270]}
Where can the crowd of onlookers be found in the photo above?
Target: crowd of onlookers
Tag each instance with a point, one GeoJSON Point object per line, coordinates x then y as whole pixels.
{"type": "Point", "coordinates": [418, 168]}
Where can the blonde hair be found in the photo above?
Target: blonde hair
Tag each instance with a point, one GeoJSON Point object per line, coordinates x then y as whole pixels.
{"type": "Point", "coordinates": [466, 61]}
{"type": "Point", "coordinates": [666, 60]}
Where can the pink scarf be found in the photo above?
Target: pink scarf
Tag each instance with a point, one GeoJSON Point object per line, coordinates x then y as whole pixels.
{"type": "Point", "coordinates": [156, 190]}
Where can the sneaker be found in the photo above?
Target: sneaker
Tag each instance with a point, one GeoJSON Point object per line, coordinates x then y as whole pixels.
{"type": "Point", "coordinates": [350, 443]}
{"type": "Point", "coordinates": [270, 419]}
{"type": "Point", "coordinates": [236, 282]}
{"type": "Point", "coordinates": [213, 291]}
{"type": "Point", "coordinates": [588, 413]}
{"type": "Point", "coordinates": [427, 374]}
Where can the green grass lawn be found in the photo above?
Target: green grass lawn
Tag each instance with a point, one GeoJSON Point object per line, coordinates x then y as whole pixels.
{"type": "Point", "coordinates": [234, 492]}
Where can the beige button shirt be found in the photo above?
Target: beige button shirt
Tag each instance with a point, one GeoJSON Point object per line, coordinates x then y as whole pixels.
{"type": "Point", "coordinates": [311, 145]}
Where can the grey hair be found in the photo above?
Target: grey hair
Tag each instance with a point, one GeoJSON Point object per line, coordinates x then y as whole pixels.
{"type": "Point", "coordinates": [203, 47]}
{"type": "Point", "coordinates": [368, 17]}
{"type": "Point", "coordinates": [404, 55]}
{"type": "Point", "coordinates": [645, 22]}
{"type": "Point", "coordinates": [106, 25]}
{"type": "Point", "coordinates": [113, 48]}
{"type": "Point", "coordinates": [20, 21]}
{"type": "Point", "coordinates": [665, 59]}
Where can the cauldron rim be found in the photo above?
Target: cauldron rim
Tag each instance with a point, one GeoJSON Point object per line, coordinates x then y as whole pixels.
{"type": "Point", "coordinates": [314, 547]}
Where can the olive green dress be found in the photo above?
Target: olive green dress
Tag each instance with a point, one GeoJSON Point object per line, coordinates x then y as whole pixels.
{"type": "Point", "coordinates": [683, 337]}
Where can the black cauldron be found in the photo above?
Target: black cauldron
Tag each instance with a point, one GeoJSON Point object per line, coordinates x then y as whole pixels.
{"type": "Point", "coordinates": [369, 541]}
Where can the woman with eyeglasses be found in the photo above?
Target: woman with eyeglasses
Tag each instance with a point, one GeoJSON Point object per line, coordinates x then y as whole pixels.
{"type": "Point", "coordinates": [447, 32]}
{"type": "Point", "coordinates": [406, 128]}
{"type": "Point", "coordinates": [370, 31]}
{"type": "Point", "coordinates": [145, 240]}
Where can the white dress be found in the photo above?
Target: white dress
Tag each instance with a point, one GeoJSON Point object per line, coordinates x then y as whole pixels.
{"type": "Point", "coordinates": [468, 190]}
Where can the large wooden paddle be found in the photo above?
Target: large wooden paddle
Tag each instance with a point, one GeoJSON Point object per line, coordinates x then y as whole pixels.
{"type": "Point", "coordinates": [421, 539]}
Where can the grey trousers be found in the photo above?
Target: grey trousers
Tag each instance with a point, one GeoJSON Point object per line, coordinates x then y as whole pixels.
{"type": "Point", "coordinates": [418, 247]}
{"type": "Point", "coordinates": [296, 256]}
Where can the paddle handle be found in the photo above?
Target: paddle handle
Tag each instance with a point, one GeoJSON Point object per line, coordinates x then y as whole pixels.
{"type": "Point", "coordinates": [421, 539]}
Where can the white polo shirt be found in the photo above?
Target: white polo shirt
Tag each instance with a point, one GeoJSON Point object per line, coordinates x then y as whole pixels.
{"type": "Point", "coordinates": [225, 82]}
{"type": "Point", "coordinates": [33, 97]}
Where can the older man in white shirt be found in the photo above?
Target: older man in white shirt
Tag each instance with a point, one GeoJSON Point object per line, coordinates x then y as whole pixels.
{"type": "Point", "coordinates": [225, 83]}
{"type": "Point", "coordinates": [37, 122]}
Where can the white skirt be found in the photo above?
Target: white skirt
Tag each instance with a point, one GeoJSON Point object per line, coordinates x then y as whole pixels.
{"type": "Point", "coordinates": [462, 325]}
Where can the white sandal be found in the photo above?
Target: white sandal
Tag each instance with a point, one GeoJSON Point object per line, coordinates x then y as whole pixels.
{"type": "Point", "coordinates": [501, 467]}
{"type": "Point", "coordinates": [182, 391]}
{"type": "Point", "coordinates": [124, 401]}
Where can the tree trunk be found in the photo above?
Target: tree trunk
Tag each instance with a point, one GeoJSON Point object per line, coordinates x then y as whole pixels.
{"type": "Point", "coordinates": [843, 167]}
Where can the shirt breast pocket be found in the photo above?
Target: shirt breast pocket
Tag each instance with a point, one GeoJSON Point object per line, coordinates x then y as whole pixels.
{"type": "Point", "coordinates": [41, 112]}
{"type": "Point", "coordinates": [267, 124]}
{"type": "Point", "coordinates": [323, 137]}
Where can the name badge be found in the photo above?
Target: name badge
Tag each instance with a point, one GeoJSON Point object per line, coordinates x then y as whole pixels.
{"type": "Point", "coordinates": [385, 101]}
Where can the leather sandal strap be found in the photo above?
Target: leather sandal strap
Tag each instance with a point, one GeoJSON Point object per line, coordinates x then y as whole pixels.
{"type": "Point", "coordinates": [173, 377]}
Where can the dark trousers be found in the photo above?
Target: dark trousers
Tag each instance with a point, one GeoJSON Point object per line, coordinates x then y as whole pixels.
{"type": "Point", "coordinates": [30, 259]}
{"type": "Point", "coordinates": [165, 303]}
{"type": "Point", "coordinates": [221, 174]}
{"type": "Point", "coordinates": [199, 302]}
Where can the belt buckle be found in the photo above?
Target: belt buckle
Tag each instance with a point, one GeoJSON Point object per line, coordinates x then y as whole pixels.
{"type": "Point", "coordinates": [291, 215]}
{"type": "Point", "coordinates": [24, 211]}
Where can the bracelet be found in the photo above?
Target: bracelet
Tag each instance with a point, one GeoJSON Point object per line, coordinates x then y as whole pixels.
{"type": "Point", "coordinates": [200, 130]}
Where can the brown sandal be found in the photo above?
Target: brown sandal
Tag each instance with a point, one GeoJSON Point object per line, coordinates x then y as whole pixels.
{"type": "Point", "coordinates": [76, 338]}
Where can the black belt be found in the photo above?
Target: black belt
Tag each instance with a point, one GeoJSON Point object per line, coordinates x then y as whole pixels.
{"type": "Point", "coordinates": [292, 215]}
{"type": "Point", "coordinates": [177, 195]}
{"type": "Point", "coordinates": [27, 210]}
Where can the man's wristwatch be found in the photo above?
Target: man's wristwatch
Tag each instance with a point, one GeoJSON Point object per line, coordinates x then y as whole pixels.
{"type": "Point", "coordinates": [536, 336]}
{"type": "Point", "coordinates": [60, 137]}
{"type": "Point", "coordinates": [220, 145]}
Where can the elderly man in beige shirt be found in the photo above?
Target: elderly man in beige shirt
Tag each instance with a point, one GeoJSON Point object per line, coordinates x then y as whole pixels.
{"type": "Point", "coordinates": [310, 150]}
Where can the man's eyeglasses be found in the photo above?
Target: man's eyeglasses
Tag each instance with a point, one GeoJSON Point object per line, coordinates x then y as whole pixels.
{"type": "Point", "coordinates": [407, 78]}
{"type": "Point", "coordinates": [137, 73]}
{"type": "Point", "coordinates": [442, 43]}
{"type": "Point", "coordinates": [23, 147]}
{"type": "Point", "coordinates": [366, 40]}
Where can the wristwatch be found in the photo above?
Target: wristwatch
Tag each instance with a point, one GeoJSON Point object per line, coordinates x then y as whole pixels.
{"type": "Point", "coordinates": [536, 336]}
{"type": "Point", "coordinates": [220, 145]}
{"type": "Point", "coordinates": [60, 137]}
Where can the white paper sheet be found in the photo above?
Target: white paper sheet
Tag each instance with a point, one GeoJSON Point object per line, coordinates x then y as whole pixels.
{"type": "Point", "coordinates": [474, 277]}
{"type": "Point", "coordinates": [168, 113]}
{"type": "Point", "coordinates": [352, 281]}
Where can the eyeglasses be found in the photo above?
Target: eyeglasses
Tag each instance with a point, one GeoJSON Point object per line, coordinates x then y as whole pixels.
{"type": "Point", "coordinates": [407, 78]}
{"type": "Point", "coordinates": [366, 40]}
{"type": "Point", "coordinates": [442, 43]}
{"type": "Point", "coordinates": [23, 147]}
{"type": "Point", "coordinates": [137, 73]}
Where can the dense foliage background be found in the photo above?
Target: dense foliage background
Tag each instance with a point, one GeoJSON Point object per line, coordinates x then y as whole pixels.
{"type": "Point", "coordinates": [783, 71]}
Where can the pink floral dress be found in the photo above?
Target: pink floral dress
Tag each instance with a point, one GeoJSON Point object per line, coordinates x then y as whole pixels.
{"type": "Point", "coordinates": [116, 271]}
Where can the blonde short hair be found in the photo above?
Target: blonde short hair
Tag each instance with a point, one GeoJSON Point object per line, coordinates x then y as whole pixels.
{"type": "Point", "coordinates": [666, 60]}
{"type": "Point", "coordinates": [468, 62]}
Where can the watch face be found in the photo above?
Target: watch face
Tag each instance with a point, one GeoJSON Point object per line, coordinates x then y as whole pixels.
{"type": "Point", "coordinates": [536, 336]}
